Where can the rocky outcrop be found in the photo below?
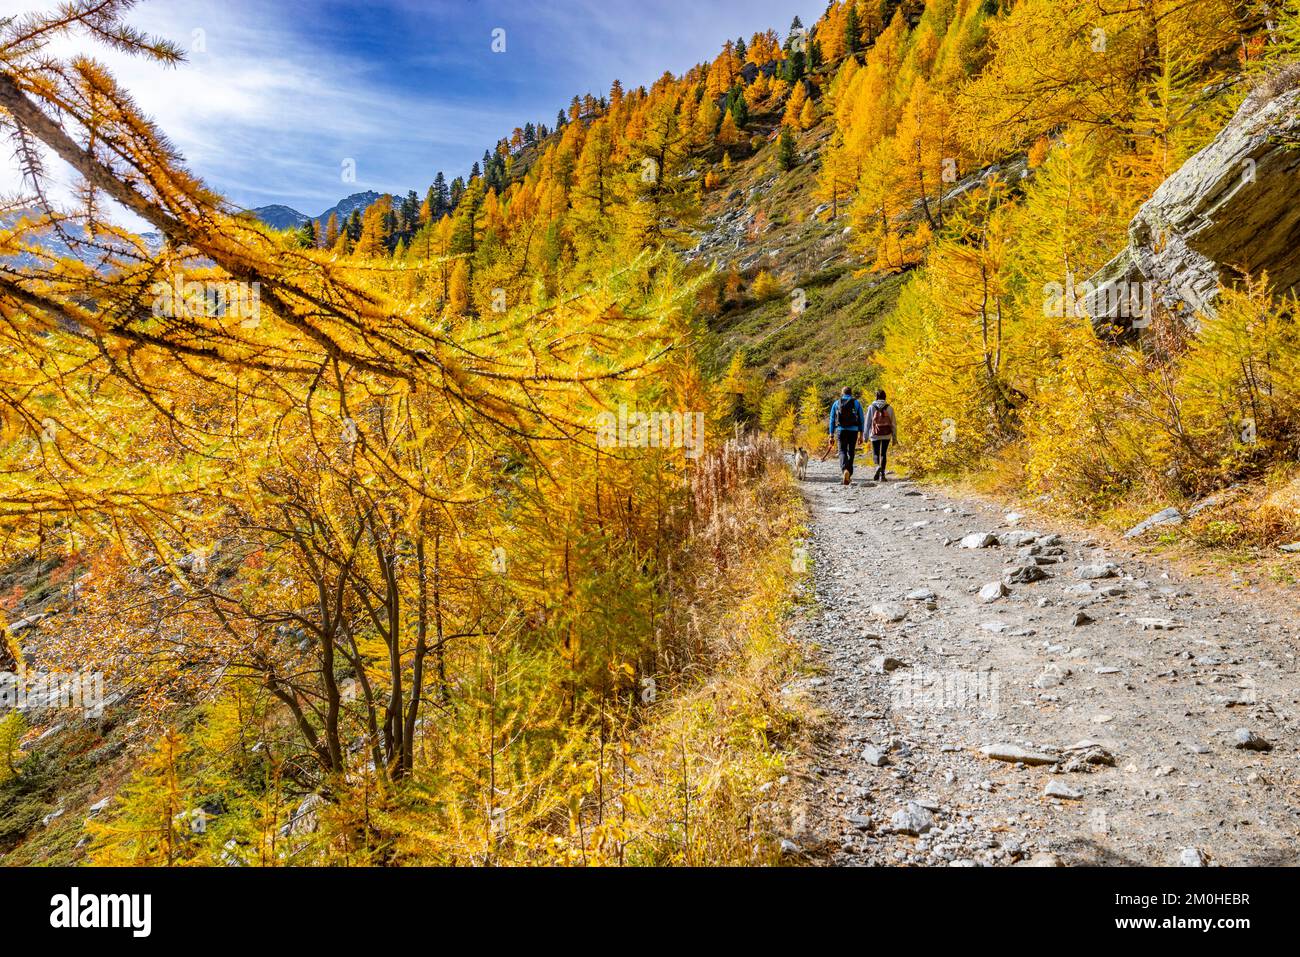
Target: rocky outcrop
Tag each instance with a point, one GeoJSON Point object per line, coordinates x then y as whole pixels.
{"type": "Point", "coordinates": [1229, 210]}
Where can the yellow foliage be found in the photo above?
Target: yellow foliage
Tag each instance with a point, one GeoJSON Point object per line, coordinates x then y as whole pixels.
{"type": "Point", "coordinates": [765, 287]}
{"type": "Point", "coordinates": [12, 728]}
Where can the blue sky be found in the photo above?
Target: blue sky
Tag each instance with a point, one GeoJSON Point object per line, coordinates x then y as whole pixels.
{"type": "Point", "coordinates": [277, 96]}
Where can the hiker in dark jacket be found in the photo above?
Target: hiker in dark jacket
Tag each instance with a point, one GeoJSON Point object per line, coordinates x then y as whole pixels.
{"type": "Point", "coordinates": [846, 424]}
{"type": "Point", "coordinates": [882, 427]}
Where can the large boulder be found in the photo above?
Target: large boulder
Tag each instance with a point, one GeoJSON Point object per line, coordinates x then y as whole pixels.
{"type": "Point", "coordinates": [1229, 210]}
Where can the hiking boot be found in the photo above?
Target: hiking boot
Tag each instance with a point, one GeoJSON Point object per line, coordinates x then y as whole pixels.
{"type": "Point", "coordinates": [848, 476]}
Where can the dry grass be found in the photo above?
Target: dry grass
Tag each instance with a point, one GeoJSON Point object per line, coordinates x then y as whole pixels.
{"type": "Point", "coordinates": [707, 758]}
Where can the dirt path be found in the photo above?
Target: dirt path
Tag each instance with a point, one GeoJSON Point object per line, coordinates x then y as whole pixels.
{"type": "Point", "coordinates": [1138, 709]}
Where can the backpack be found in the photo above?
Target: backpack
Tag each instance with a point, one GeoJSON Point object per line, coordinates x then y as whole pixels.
{"type": "Point", "coordinates": [846, 416]}
{"type": "Point", "coordinates": [883, 423]}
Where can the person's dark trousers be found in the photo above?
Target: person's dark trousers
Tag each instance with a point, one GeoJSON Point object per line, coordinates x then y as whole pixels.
{"type": "Point", "coordinates": [880, 455]}
{"type": "Point", "coordinates": [848, 443]}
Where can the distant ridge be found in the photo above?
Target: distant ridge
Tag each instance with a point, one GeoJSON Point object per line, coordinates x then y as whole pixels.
{"type": "Point", "coordinates": [286, 217]}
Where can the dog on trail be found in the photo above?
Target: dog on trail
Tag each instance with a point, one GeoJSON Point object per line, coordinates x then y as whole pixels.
{"type": "Point", "coordinates": [801, 464]}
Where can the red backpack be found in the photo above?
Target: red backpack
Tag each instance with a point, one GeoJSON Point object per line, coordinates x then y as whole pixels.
{"type": "Point", "coordinates": [883, 423]}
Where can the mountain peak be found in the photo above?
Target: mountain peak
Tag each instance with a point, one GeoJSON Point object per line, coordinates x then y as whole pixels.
{"type": "Point", "coordinates": [278, 216]}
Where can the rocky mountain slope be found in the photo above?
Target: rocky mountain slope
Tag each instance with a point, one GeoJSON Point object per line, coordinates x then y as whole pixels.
{"type": "Point", "coordinates": [286, 217]}
{"type": "Point", "coordinates": [824, 324]}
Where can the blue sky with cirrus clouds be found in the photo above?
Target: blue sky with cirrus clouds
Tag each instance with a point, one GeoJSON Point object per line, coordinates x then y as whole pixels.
{"type": "Point", "coordinates": [275, 97]}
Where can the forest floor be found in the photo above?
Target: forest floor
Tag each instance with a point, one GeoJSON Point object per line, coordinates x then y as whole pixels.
{"type": "Point", "coordinates": [972, 717]}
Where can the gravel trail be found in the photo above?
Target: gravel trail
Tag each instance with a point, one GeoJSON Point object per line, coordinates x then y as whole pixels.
{"type": "Point", "coordinates": [998, 694]}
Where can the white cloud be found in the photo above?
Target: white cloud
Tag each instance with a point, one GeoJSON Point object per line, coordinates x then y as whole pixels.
{"type": "Point", "coordinates": [274, 97]}
{"type": "Point", "coordinates": [265, 118]}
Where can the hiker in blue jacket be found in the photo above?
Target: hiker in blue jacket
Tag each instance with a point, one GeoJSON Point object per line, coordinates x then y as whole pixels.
{"type": "Point", "coordinates": [846, 424]}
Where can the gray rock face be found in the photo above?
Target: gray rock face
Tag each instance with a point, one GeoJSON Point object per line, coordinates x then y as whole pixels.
{"type": "Point", "coordinates": [99, 806]}
{"type": "Point", "coordinates": [1016, 539]}
{"type": "Point", "coordinates": [883, 664]}
{"type": "Point", "coordinates": [1024, 574]}
{"type": "Point", "coordinates": [22, 624]}
{"type": "Point", "coordinates": [874, 756]}
{"type": "Point", "coordinates": [1166, 516]}
{"type": "Point", "coordinates": [913, 819]}
{"type": "Point", "coordinates": [979, 540]}
{"type": "Point", "coordinates": [1248, 740]}
{"type": "Point", "coordinates": [1229, 209]}
{"type": "Point", "coordinates": [1059, 789]}
{"type": "Point", "coordinates": [1011, 752]}
{"type": "Point", "coordinates": [1191, 857]}
{"type": "Point", "coordinates": [306, 818]}
{"type": "Point", "coordinates": [1042, 859]}
{"type": "Point", "coordinates": [888, 611]}
{"type": "Point", "coordinates": [1090, 572]}
{"type": "Point", "coordinates": [1087, 756]}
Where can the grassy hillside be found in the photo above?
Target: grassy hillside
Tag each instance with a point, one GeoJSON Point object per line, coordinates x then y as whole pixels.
{"type": "Point", "coordinates": [765, 219]}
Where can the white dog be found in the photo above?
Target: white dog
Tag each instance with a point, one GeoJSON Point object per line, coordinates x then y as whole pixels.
{"type": "Point", "coordinates": [801, 464]}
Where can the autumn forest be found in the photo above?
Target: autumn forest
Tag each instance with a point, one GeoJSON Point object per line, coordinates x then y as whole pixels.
{"type": "Point", "coordinates": [460, 529]}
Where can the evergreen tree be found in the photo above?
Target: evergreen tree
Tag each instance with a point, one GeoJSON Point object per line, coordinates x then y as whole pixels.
{"type": "Point", "coordinates": [740, 111]}
{"type": "Point", "coordinates": [390, 221]}
{"type": "Point", "coordinates": [409, 216]}
{"type": "Point", "coordinates": [786, 151]}
{"type": "Point", "coordinates": [442, 195]}
{"type": "Point", "coordinates": [852, 30]}
{"type": "Point", "coordinates": [464, 223]}
{"type": "Point", "coordinates": [794, 67]}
